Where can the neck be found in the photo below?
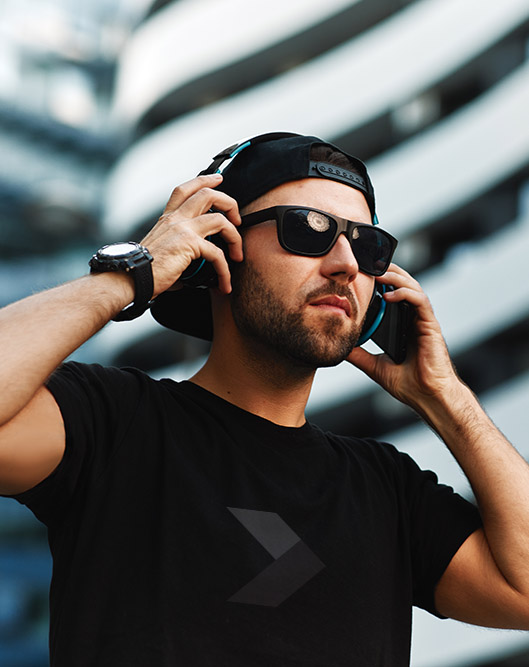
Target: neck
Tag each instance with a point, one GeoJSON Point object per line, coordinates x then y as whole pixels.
{"type": "Point", "coordinates": [258, 380]}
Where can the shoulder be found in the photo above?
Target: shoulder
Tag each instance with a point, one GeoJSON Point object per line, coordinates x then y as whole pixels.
{"type": "Point", "coordinates": [105, 404]}
{"type": "Point", "coordinates": [115, 384]}
{"type": "Point", "coordinates": [377, 454]}
{"type": "Point", "coordinates": [82, 373]}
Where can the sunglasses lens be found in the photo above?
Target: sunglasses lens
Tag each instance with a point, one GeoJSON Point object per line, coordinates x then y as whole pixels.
{"type": "Point", "coordinates": [372, 249]}
{"type": "Point", "coordinates": [313, 233]}
{"type": "Point", "coordinates": [308, 232]}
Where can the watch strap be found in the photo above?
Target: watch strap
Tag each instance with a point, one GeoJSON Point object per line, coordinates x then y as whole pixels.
{"type": "Point", "coordinates": [137, 262]}
{"type": "Point", "coordinates": [144, 286]}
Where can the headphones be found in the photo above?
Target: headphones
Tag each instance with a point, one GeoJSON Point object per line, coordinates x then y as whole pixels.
{"type": "Point", "coordinates": [201, 274]}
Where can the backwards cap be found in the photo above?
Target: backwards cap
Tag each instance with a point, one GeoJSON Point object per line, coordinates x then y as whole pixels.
{"type": "Point", "coordinates": [264, 162]}
{"type": "Point", "coordinates": [250, 169]}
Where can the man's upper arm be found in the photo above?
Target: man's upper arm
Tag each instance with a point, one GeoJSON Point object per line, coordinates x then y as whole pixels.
{"type": "Point", "coordinates": [473, 590]}
{"type": "Point", "coordinates": [32, 444]}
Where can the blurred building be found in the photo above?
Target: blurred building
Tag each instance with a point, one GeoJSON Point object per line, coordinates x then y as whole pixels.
{"type": "Point", "coordinates": [57, 143]}
{"type": "Point", "coordinates": [119, 102]}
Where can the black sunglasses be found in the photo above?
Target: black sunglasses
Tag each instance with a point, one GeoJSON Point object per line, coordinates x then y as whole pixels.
{"type": "Point", "coordinates": [310, 232]}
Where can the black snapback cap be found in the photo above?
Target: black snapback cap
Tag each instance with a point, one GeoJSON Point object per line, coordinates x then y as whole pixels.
{"type": "Point", "coordinates": [251, 168]}
{"type": "Point", "coordinates": [276, 158]}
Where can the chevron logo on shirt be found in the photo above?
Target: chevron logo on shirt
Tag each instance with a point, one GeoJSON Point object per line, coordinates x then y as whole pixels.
{"type": "Point", "coordinates": [293, 566]}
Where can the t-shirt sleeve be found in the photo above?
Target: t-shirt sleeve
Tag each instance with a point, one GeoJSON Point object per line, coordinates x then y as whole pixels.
{"type": "Point", "coordinates": [97, 405]}
{"type": "Point", "coordinates": [440, 520]}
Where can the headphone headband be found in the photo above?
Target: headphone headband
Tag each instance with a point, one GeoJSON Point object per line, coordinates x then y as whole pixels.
{"type": "Point", "coordinates": [250, 168]}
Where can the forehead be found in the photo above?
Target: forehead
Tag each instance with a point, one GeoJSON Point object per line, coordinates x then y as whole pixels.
{"type": "Point", "coordinates": [327, 195]}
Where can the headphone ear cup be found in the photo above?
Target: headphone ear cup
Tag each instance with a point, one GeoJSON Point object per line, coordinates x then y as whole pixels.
{"type": "Point", "coordinates": [201, 273]}
{"type": "Point", "coordinates": [374, 315]}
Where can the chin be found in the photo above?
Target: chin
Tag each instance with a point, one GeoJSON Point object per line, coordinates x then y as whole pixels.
{"type": "Point", "coordinates": [320, 349]}
{"type": "Point", "coordinates": [290, 335]}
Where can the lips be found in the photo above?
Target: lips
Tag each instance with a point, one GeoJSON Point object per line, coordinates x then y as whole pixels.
{"type": "Point", "coordinates": [334, 301]}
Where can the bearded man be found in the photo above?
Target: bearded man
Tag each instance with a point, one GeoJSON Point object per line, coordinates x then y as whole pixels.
{"type": "Point", "coordinates": [207, 522]}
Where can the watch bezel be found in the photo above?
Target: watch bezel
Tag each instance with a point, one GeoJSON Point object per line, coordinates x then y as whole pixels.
{"type": "Point", "coordinates": [132, 245]}
{"type": "Point", "coordinates": [137, 256]}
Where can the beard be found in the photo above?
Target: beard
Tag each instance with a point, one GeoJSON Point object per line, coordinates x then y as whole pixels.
{"type": "Point", "coordinates": [261, 316]}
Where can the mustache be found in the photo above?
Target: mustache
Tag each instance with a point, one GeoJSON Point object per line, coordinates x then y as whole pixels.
{"type": "Point", "coordinates": [334, 289]}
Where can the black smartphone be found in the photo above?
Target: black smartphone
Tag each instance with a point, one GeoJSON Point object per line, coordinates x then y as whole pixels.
{"type": "Point", "coordinates": [393, 333]}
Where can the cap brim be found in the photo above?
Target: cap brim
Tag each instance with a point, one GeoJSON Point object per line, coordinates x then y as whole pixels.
{"type": "Point", "coordinates": [186, 310]}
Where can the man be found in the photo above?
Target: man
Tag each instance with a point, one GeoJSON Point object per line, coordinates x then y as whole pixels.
{"type": "Point", "coordinates": [206, 522]}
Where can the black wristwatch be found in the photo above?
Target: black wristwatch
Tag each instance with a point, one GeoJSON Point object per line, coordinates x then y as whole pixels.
{"type": "Point", "coordinates": [131, 257]}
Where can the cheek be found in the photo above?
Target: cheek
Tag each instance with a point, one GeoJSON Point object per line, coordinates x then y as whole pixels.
{"type": "Point", "coordinates": [364, 293]}
{"type": "Point", "coordinates": [259, 241]}
{"type": "Point", "coordinates": [293, 276]}
{"type": "Point", "coordinates": [277, 266]}
{"type": "Point", "coordinates": [364, 286]}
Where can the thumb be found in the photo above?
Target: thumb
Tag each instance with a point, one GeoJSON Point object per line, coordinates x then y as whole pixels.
{"type": "Point", "coordinates": [366, 362]}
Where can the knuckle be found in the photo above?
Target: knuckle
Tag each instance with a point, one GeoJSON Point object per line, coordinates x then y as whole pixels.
{"type": "Point", "coordinates": [177, 191]}
{"type": "Point", "coordinates": [205, 192]}
{"type": "Point", "coordinates": [218, 252]}
{"type": "Point", "coordinates": [165, 219]}
{"type": "Point", "coordinates": [219, 218]}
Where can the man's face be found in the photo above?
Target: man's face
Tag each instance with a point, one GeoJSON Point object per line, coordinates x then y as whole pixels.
{"type": "Point", "coordinates": [308, 309]}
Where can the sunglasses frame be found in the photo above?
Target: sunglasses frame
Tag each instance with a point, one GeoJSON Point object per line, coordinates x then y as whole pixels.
{"type": "Point", "coordinates": [343, 226]}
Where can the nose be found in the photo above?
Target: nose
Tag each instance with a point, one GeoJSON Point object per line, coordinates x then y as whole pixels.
{"type": "Point", "coordinates": [340, 263]}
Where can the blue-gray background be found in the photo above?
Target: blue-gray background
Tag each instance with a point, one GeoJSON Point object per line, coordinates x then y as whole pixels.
{"type": "Point", "coordinates": [107, 105]}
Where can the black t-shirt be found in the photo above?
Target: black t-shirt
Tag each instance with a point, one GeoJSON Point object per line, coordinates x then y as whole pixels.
{"type": "Point", "coordinates": [187, 531]}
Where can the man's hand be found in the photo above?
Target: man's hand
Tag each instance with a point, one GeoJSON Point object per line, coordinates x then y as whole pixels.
{"type": "Point", "coordinates": [487, 581]}
{"type": "Point", "coordinates": [39, 332]}
{"type": "Point", "coordinates": [180, 235]}
{"type": "Point", "coordinates": [428, 372]}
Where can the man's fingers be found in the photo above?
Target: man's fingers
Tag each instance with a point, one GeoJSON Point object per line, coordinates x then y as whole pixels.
{"type": "Point", "coordinates": [212, 253]}
{"type": "Point", "coordinates": [175, 242]}
{"type": "Point", "coordinates": [206, 199]}
{"type": "Point", "coordinates": [406, 288]}
{"type": "Point", "coordinates": [198, 196]}
{"type": "Point", "coordinates": [216, 223]}
{"type": "Point", "coordinates": [398, 277]}
{"type": "Point", "coordinates": [182, 192]}
{"type": "Point", "coordinates": [363, 360]}
{"type": "Point", "coordinates": [184, 231]}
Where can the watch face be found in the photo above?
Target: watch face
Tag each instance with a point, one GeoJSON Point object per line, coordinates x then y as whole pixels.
{"type": "Point", "coordinates": [118, 249]}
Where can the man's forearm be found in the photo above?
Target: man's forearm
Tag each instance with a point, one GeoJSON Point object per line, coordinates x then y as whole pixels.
{"type": "Point", "coordinates": [39, 332]}
{"type": "Point", "coordinates": [498, 474]}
